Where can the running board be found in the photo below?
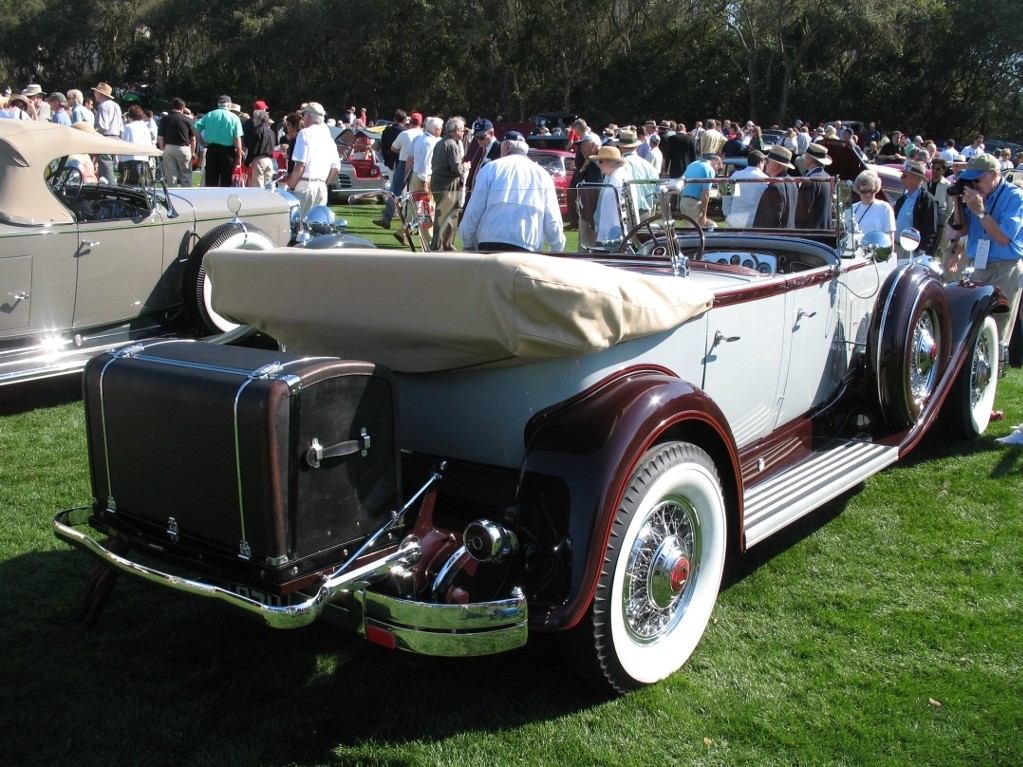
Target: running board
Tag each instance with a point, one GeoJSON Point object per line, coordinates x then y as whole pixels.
{"type": "Point", "coordinates": [823, 475]}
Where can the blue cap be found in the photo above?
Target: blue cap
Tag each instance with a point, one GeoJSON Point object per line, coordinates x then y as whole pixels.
{"type": "Point", "coordinates": [513, 135]}
{"type": "Point", "coordinates": [481, 126]}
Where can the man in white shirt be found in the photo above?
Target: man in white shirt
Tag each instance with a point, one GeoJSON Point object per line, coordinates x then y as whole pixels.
{"type": "Point", "coordinates": [745, 197]}
{"type": "Point", "coordinates": [422, 154]}
{"type": "Point", "coordinates": [514, 205]}
{"type": "Point", "coordinates": [316, 159]}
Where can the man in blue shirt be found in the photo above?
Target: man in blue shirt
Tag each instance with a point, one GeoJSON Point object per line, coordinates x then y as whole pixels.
{"type": "Point", "coordinates": [990, 214]}
{"type": "Point", "coordinates": [695, 198]}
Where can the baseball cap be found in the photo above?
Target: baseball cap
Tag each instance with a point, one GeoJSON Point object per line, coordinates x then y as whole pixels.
{"type": "Point", "coordinates": [313, 108]}
{"type": "Point", "coordinates": [513, 135]}
{"type": "Point", "coordinates": [480, 127]}
{"type": "Point", "coordinates": [979, 165]}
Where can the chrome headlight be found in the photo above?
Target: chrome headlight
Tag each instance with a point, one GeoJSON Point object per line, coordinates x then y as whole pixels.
{"type": "Point", "coordinates": [320, 219]}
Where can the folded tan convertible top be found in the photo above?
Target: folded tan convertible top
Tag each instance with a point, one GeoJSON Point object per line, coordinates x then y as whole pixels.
{"type": "Point", "coordinates": [420, 312]}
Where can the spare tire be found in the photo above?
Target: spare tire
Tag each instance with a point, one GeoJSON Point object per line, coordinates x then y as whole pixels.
{"type": "Point", "coordinates": [197, 290]}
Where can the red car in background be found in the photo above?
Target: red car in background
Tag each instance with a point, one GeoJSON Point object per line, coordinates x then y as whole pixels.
{"type": "Point", "coordinates": [560, 165]}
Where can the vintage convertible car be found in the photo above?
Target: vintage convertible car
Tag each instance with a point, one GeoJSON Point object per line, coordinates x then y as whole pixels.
{"type": "Point", "coordinates": [86, 266]}
{"type": "Point", "coordinates": [538, 443]}
{"type": "Point", "coordinates": [560, 165]}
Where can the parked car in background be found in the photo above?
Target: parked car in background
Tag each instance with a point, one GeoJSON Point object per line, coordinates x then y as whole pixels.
{"type": "Point", "coordinates": [560, 165]}
{"type": "Point", "coordinates": [86, 266]}
{"type": "Point", "coordinates": [362, 165]}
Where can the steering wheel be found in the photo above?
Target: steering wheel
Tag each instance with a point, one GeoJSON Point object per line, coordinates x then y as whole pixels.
{"type": "Point", "coordinates": [647, 224]}
{"type": "Point", "coordinates": [68, 183]}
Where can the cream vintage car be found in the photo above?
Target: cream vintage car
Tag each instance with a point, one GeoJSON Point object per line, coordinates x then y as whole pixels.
{"type": "Point", "coordinates": [459, 450]}
{"type": "Point", "coordinates": [86, 266]}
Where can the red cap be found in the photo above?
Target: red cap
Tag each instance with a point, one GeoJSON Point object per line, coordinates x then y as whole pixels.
{"type": "Point", "coordinates": [416, 119]}
{"type": "Point", "coordinates": [260, 105]}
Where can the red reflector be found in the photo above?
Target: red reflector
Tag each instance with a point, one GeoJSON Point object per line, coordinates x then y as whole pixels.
{"type": "Point", "coordinates": [381, 637]}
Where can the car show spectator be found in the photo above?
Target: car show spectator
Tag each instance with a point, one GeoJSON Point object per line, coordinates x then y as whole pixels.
{"type": "Point", "coordinates": [422, 154]}
{"type": "Point", "coordinates": [641, 195]}
{"type": "Point", "coordinates": [514, 206]}
{"type": "Point", "coordinates": [259, 153]}
{"type": "Point", "coordinates": [316, 159]}
{"type": "Point", "coordinates": [891, 149]}
{"type": "Point", "coordinates": [177, 140]}
{"type": "Point", "coordinates": [742, 203]}
{"type": "Point", "coordinates": [109, 122]}
{"type": "Point", "coordinates": [917, 208]}
{"type": "Point", "coordinates": [586, 172]}
{"type": "Point", "coordinates": [402, 148]}
{"type": "Point", "coordinates": [976, 147]}
{"type": "Point", "coordinates": [871, 214]}
{"type": "Point", "coordinates": [446, 181]}
{"type": "Point", "coordinates": [134, 168]}
{"type": "Point", "coordinates": [712, 140]}
{"type": "Point", "coordinates": [221, 132]}
{"type": "Point", "coordinates": [488, 149]}
{"type": "Point", "coordinates": [989, 214]}
{"type": "Point", "coordinates": [694, 199]}
{"type": "Point", "coordinates": [17, 107]}
{"type": "Point", "coordinates": [938, 186]}
{"type": "Point", "coordinates": [609, 213]}
{"type": "Point", "coordinates": [77, 110]}
{"type": "Point", "coordinates": [58, 111]}
{"type": "Point", "coordinates": [34, 93]}
{"type": "Point", "coordinates": [680, 151]}
{"type": "Point", "coordinates": [813, 200]}
{"type": "Point", "coordinates": [389, 134]}
{"type": "Point", "coordinates": [655, 156]}
{"type": "Point", "coordinates": [777, 206]}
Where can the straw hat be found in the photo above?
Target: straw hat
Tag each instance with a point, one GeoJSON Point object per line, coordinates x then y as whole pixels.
{"type": "Point", "coordinates": [611, 153]}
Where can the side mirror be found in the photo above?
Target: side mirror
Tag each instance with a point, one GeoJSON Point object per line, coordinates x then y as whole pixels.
{"type": "Point", "coordinates": [877, 243]}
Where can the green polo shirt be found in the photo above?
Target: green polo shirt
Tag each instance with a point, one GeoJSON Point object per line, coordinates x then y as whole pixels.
{"type": "Point", "coordinates": [221, 126]}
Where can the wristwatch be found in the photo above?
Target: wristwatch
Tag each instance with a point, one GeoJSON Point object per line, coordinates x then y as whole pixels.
{"type": "Point", "coordinates": [982, 215]}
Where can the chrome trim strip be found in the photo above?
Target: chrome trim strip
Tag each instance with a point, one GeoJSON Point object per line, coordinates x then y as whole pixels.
{"type": "Point", "coordinates": [283, 617]}
{"type": "Point", "coordinates": [477, 616]}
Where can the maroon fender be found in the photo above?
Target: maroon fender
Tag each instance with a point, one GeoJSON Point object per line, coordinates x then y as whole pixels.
{"type": "Point", "coordinates": [911, 298]}
{"type": "Point", "coordinates": [580, 455]}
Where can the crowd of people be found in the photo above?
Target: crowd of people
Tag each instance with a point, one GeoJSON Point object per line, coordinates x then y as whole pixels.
{"type": "Point", "coordinates": [468, 180]}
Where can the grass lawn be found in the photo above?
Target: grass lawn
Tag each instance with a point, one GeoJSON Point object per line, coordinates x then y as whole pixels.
{"type": "Point", "coordinates": [360, 217]}
{"type": "Point", "coordinates": [882, 630]}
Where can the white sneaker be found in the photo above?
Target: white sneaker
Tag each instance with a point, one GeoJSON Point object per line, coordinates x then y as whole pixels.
{"type": "Point", "coordinates": [1016, 438]}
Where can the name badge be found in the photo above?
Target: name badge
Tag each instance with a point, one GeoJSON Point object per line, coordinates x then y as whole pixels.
{"type": "Point", "coordinates": [983, 250]}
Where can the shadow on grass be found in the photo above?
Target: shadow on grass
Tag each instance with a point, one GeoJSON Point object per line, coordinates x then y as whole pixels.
{"type": "Point", "coordinates": [165, 679]}
{"type": "Point", "coordinates": [23, 397]}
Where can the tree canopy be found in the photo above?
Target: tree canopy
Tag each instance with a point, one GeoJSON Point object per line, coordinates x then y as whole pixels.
{"type": "Point", "coordinates": [945, 68]}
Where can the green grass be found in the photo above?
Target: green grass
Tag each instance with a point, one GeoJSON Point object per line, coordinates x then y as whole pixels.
{"type": "Point", "coordinates": [882, 630]}
{"type": "Point", "coordinates": [360, 217]}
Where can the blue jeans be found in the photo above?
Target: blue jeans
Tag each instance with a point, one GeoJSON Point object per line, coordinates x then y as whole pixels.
{"type": "Point", "coordinates": [397, 187]}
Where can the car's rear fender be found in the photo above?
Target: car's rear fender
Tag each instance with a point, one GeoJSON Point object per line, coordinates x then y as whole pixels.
{"type": "Point", "coordinates": [579, 458]}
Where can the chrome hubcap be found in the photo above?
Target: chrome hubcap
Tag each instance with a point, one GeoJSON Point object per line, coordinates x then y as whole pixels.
{"type": "Point", "coordinates": [981, 371]}
{"type": "Point", "coordinates": [661, 569]}
{"type": "Point", "coordinates": [924, 355]}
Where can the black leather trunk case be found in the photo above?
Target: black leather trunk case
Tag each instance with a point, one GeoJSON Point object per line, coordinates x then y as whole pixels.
{"type": "Point", "coordinates": [198, 452]}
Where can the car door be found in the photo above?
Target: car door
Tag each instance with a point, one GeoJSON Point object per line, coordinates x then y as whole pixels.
{"type": "Point", "coordinates": [814, 343]}
{"type": "Point", "coordinates": [746, 351]}
{"type": "Point", "coordinates": [37, 278]}
{"type": "Point", "coordinates": [120, 263]}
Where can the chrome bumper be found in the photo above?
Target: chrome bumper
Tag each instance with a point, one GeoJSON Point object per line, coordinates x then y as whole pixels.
{"type": "Point", "coordinates": [480, 628]}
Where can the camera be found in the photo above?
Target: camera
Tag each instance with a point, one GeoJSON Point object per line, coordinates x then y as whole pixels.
{"type": "Point", "coordinates": [957, 187]}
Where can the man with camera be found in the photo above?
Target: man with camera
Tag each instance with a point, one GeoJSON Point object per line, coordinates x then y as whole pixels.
{"type": "Point", "coordinates": [989, 213]}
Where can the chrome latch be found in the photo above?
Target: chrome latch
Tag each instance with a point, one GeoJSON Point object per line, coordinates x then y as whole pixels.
{"type": "Point", "coordinates": [173, 532]}
{"type": "Point", "coordinates": [244, 550]}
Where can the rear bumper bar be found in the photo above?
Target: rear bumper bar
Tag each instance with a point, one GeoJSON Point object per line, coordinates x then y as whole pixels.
{"type": "Point", "coordinates": [479, 628]}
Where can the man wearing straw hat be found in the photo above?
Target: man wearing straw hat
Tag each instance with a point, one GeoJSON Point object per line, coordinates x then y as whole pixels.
{"type": "Point", "coordinates": [109, 122]}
